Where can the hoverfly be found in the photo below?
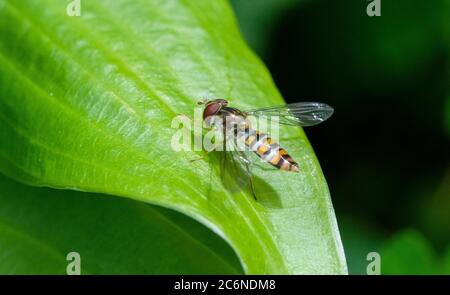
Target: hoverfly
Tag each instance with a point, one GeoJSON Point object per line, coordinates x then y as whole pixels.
{"type": "Point", "coordinates": [236, 129]}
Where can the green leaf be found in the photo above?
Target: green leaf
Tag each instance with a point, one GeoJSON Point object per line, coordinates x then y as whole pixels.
{"type": "Point", "coordinates": [446, 262]}
{"type": "Point", "coordinates": [39, 227]}
{"type": "Point", "coordinates": [408, 252]}
{"type": "Point", "coordinates": [87, 104]}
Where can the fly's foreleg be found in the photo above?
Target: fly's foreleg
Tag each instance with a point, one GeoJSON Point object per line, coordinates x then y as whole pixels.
{"type": "Point", "coordinates": [201, 157]}
{"type": "Point", "coordinates": [214, 148]}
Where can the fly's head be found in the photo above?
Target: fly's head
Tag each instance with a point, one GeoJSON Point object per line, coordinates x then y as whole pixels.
{"type": "Point", "coordinates": [212, 108]}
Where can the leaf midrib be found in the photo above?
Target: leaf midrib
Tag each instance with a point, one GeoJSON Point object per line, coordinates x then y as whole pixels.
{"type": "Point", "coordinates": [218, 209]}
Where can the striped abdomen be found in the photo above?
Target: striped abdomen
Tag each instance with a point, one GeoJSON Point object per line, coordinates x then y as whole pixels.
{"type": "Point", "coordinates": [269, 151]}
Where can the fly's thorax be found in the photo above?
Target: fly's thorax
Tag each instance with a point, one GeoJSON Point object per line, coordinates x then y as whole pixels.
{"type": "Point", "coordinates": [235, 123]}
{"type": "Point", "coordinates": [227, 121]}
{"type": "Point", "coordinates": [220, 122]}
{"type": "Point", "coordinates": [232, 126]}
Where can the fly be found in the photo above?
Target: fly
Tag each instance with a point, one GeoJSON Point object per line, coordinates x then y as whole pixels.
{"type": "Point", "coordinates": [238, 130]}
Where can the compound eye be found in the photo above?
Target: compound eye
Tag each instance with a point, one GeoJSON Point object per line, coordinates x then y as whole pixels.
{"type": "Point", "coordinates": [223, 102]}
{"type": "Point", "coordinates": [211, 110]}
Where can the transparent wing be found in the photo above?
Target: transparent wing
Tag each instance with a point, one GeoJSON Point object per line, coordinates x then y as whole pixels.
{"type": "Point", "coordinates": [299, 113]}
{"type": "Point", "coordinates": [235, 168]}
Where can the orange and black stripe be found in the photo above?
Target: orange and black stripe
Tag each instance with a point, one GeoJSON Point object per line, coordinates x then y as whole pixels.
{"type": "Point", "coordinates": [269, 151]}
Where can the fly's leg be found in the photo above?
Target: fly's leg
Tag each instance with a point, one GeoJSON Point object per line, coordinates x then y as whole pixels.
{"type": "Point", "coordinates": [252, 187]}
{"type": "Point", "coordinates": [235, 166]}
{"type": "Point", "coordinates": [207, 152]}
{"type": "Point", "coordinates": [250, 179]}
{"type": "Point", "coordinates": [201, 157]}
{"type": "Point", "coordinates": [195, 160]}
{"type": "Point", "coordinates": [247, 164]}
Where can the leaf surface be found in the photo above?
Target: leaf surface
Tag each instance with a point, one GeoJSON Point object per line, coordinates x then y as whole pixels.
{"type": "Point", "coordinates": [86, 103]}
{"type": "Point", "coordinates": [40, 226]}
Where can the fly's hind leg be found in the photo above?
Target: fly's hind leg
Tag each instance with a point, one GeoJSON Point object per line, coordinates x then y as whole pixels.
{"type": "Point", "coordinates": [247, 165]}
{"type": "Point", "coordinates": [252, 188]}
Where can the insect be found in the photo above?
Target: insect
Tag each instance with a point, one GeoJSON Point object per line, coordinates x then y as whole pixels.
{"type": "Point", "coordinates": [238, 132]}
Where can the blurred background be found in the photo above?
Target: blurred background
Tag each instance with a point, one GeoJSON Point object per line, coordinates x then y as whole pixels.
{"type": "Point", "coordinates": [386, 151]}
